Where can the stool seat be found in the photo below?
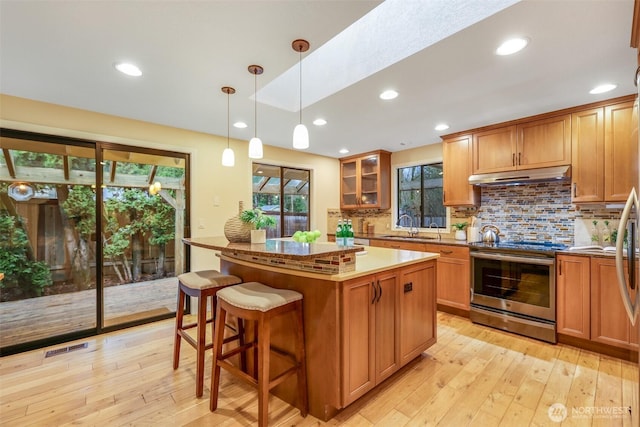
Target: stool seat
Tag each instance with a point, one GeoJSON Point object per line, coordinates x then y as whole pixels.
{"type": "Point", "coordinates": [258, 303]}
{"type": "Point", "coordinates": [207, 279]}
{"type": "Point", "coordinates": [202, 285]}
{"type": "Point", "coordinates": [256, 296]}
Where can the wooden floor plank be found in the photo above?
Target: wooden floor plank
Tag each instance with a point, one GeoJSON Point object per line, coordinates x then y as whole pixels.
{"type": "Point", "coordinates": [473, 375]}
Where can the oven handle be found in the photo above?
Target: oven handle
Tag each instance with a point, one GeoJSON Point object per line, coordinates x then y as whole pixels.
{"type": "Point", "coordinates": [513, 258]}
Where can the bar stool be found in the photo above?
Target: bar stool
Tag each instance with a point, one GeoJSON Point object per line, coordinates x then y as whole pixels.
{"type": "Point", "coordinates": [203, 285]}
{"type": "Point", "coordinates": [257, 302]}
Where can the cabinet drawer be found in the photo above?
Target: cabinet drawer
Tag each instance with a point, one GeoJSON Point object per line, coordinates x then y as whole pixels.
{"type": "Point", "coordinates": [448, 251]}
{"type": "Point", "coordinates": [394, 244]}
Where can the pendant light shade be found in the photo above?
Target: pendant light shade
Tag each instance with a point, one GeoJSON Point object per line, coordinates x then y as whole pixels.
{"type": "Point", "coordinates": [300, 132]}
{"type": "Point", "coordinates": [255, 144]}
{"type": "Point", "coordinates": [300, 137]}
{"type": "Point", "coordinates": [228, 158]}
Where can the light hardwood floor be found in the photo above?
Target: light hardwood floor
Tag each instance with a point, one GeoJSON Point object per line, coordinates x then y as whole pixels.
{"type": "Point", "coordinates": [473, 376]}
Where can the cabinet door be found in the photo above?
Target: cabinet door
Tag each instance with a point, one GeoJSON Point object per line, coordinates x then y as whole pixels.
{"type": "Point", "coordinates": [620, 150]}
{"type": "Point", "coordinates": [387, 307]}
{"type": "Point", "coordinates": [417, 309]}
{"type": "Point", "coordinates": [456, 163]}
{"type": "Point", "coordinates": [453, 276]}
{"type": "Point", "coordinates": [587, 156]}
{"type": "Point", "coordinates": [544, 143]}
{"type": "Point", "coordinates": [358, 341]}
{"type": "Point", "coordinates": [573, 284]}
{"type": "Point", "coordinates": [609, 321]}
{"type": "Point", "coordinates": [494, 150]}
{"type": "Point", "coordinates": [349, 173]}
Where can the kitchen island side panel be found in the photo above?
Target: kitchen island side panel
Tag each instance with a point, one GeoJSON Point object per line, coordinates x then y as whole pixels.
{"type": "Point", "coordinates": [322, 339]}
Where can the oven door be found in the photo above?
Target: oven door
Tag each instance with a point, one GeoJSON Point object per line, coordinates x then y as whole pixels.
{"type": "Point", "coordinates": [513, 283]}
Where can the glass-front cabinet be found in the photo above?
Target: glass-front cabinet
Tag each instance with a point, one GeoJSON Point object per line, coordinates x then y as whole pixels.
{"type": "Point", "coordinates": [365, 181]}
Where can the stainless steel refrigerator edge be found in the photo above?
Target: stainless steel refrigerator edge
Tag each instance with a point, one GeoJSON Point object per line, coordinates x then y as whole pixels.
{"type": "Point", "coordinates": [627, 276]}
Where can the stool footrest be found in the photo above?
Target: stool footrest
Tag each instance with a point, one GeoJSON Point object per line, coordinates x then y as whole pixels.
{"type": "Point", "coordinates": [237, 372]}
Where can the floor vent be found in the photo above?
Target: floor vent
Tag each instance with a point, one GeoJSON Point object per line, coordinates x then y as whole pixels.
{"type": "Point", "coordinates": [66, 349]}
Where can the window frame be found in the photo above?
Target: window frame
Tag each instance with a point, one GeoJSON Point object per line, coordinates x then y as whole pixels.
{"type": "Point", "coordinates": [395, 194]}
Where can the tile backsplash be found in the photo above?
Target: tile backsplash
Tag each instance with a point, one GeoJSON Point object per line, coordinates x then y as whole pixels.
{"type": "Point", "coordinates": [540, 211]}
{"type": "Point", "coordinates": [537, 211]}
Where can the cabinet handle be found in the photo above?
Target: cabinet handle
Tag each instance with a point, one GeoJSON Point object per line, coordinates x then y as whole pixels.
{"type": "Point", "coordinates": [408, 287]}
{"type": "Point", "coordinates": [442, 251]}
{"type": "Point", "coordinates": [444, 196]}
{"type": "Point", "coordinates": [375, 292]}
{"type": "Point", "coordinates": [559, 268]}
{"type": "Point", "coordinates": [519, 159]}
{"type": "Point", "coordinates": [380, 294]}
{"type": "Point", "coordinates": [575, 189]}
{"type": "Point", "coordinates": [513, 159]}
{"type": "Point", "coordinates": [395, 246]}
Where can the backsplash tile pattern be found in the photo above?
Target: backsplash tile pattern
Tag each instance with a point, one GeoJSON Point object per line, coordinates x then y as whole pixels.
{"type": "Point", "coordinates": [540, 211]}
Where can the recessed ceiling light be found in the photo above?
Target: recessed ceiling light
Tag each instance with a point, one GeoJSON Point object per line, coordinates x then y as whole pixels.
{"type": "Point", "coordinates": [128, 69]}
{"type": "Point", "coordinates": [442, 126]}
{"type": "Point", "coordinates": [240, 125]}
{"type": "Point", "coordinates": [603, 88]}
{"type": "Point", "coordinates": [512, 46]}
{"type": "Point", "coordinates": [389, 94]}
{"type": "Point", "coordinates": [343, 151]}
{"type": "Point", "coordinates": [319, 122]}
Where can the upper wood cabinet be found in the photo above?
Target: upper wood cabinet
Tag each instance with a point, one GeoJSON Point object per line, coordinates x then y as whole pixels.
{"type": "Point", "coordinates": [365, 181]}
{"type": "Point", "coordinates": [587, 156]}
{"type": "Point", "coordinates": [604, 152]}
{"type": "Point", "coordinates": [456, 154]}
{"type": "Point", "coordinates": [536, 144]}
{"type": "Point", "coordinates": [620, 150]}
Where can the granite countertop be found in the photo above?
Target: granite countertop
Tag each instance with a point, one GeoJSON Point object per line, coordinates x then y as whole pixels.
{"type": "Point", "coordinates": [370, 260]}
{"type": "Point", "coordinates": [275, 248]}
{"type": "Point", "coordinates": [430, 238]}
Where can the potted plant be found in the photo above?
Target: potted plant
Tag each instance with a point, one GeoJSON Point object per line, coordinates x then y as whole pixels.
{"type": "Point", "coordinates": [460, 233]}
{"type": "Point", "coordinates": [260, 222]}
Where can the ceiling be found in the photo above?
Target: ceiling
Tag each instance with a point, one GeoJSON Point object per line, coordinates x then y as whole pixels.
{"type": "Point", "coordinates": [63, 52]}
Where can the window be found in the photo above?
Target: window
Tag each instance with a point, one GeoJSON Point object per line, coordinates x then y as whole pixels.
{"type": "Point", "coordinates": [284, 194]}
{"type": "Point", "coordinates": [420, 196]}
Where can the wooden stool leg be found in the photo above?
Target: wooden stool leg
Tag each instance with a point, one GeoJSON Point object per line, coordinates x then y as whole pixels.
{"type": "Point", "coordinates": [218, 339]}
{"type": "Point", "coordinates": [178, 338]}
{"type": "Point", "coordinates": [201, 344]}
{"type": "Point", "coordinates": [243, 355]}
{"type": "Point", "coordinates": [264, 346]}
{"type": "Point", "coordinates": [301, 360]}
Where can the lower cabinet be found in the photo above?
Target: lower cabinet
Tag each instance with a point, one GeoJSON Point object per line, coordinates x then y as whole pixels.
{"type": "Point", "coordinates": [388, 319]}
{"type": "Point", "coordinates": [589, 305]}
{"type": "Point", "coordinates": [454, 275]}
{"type": "Point", "coordinates": [609, 321]}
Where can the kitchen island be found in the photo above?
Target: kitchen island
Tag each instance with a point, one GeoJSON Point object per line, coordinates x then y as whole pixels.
{"type": "Point", "coordinates": [361, 326]}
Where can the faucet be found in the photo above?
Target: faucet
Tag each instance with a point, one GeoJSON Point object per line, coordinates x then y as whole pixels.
{"type": "Point", "coordinates": [437, 228]}
{"type": "Point", "coordinates": [413, 230]}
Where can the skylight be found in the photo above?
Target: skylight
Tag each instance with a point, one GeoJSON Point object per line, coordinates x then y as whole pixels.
{"type": "Point", "coordinates": [386, 35]}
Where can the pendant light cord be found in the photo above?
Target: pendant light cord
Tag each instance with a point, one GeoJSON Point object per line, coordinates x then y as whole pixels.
{"type": "Point", "coordinates": [228, 116]}
{"type": "Point", "coordinates": [255, 105]}
{"type": "Point", "coordinates": [300, 67]}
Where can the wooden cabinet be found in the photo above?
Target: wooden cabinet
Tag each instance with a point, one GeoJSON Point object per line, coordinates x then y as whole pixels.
{"type": "Point", "coordinates": [535, 144]}
{"type": "Point", "coordinates": [365, 181]}
{"type": "Point", "coordinates": [609, 321]}
{"type": "Point", "coordinates": [604, 152]}
{"type": "Point", "coordinates": [417, 293]}
{"type": "Point", "coordinates": [456, 155]}
{"type": "Point", "coordinates": [453, 275]}
{"type": "Point", "coordinates": [494, 150]}
{"type": "Point", "coordinates": [370, 333]}
{"type": "Point", "coordinates": [397, 244]}
{"type": "Point", "coordinates": [573, 290]}
{"type": "Point", "coordinates": [620, 150]}
{"type": "Point", "coordinates": [587, 156]}
{"type": "Point", "coordinates": [388, 319]}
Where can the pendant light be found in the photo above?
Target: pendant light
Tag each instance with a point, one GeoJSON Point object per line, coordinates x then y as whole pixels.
{"type": "Point", "coordinates": [228, 158]}
{"type": "Point", "coordinates": [300, 133]}
{"type": "Point", "coordinates": [255, 144]}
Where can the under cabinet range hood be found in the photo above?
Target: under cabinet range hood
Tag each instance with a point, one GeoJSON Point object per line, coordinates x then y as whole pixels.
{"type": "Point", "coordinates": [524, 176]}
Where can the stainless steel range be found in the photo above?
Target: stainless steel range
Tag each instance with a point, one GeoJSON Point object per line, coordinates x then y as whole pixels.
{"type": "Point", "coordinates": [513, 287]}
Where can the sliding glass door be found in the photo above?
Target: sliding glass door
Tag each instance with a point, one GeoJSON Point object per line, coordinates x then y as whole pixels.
{"type": "Point", "coordinates": [90, 237]}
